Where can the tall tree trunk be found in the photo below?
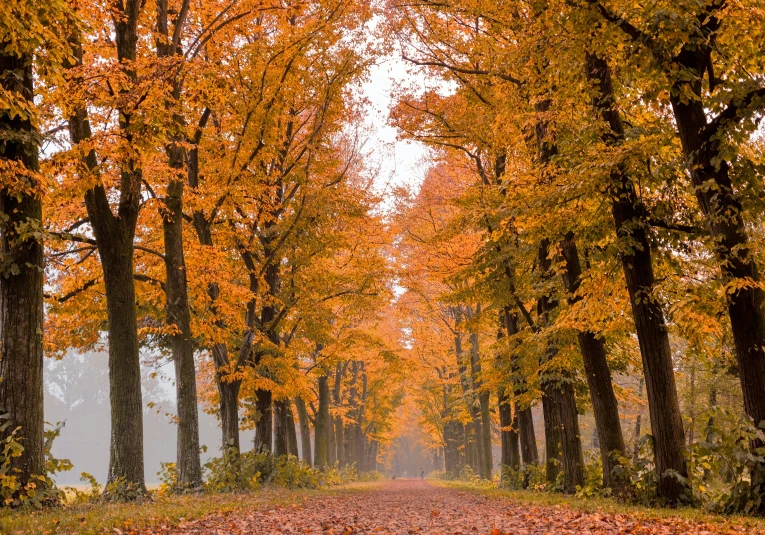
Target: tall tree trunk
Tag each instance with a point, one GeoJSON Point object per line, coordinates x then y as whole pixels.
{"type": "Point", "coordinates": [452, 446]}
{"type": "Point", "coordinates": [571, 440]}
{"type": "Point", "coordinates": [305, 431]}
{"type": "Point", "coordinates": [177, 314]}
{"type": "Point", "coordinates": [631, 228]}
{"type": "Point", "coordinates": [228, 390]}
{"type": "Point", "coordinates": [22, 279]}
{"type": "Point", "coordinates": [558, 399]}
{"type": "Point", "coordinates": [604, 404]}
{"type": "Point", "coordinates": [511, 457]}
{"type": "Point", "coordinates": [483, 433]}
{"type": "Point", "coordinates": [321, 427]}
{"type": "Point", "coordinates": [332, 447]}
{"type": "Point", "coordinates": [373, 449]}
{"type": "Point", "coordinates": [178, 317]}
{"type": "Point", "coordinates": [553, 455]}
{"type": "Point", "coordinates": [528, 439]}
{"type": "Point", "coordinates": [529, 452]}
{"type": "Point", "coordinates": [281, 434]}
{"type": "Point", "coordinates": [703, 148]}
{"type": "Point", "coordinates": [264, 426]}
{"type": "Point", "coordinates": [636, 445]}
{"type": "Point", "coordinates": [292, 445]}
{"type": "Point", "coordinates": [126, 458]}
{"type": "Point", "coordinates": [474, 457]}
{"type": "Point", "coordinates": [338, 420]}
{"type": "Point", "coordinates": [114, 238]}
{"type": "Point", "coordinates": [340, 440]}
{"type": "Point", "coordinates": [557, 390]}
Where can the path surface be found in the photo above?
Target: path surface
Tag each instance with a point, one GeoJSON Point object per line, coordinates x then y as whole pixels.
{"type": "Point", "coordinates": [416, 507]}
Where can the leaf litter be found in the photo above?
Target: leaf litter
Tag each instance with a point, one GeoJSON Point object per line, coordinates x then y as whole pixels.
{"type": "Point", "coordinates": [406, 507]}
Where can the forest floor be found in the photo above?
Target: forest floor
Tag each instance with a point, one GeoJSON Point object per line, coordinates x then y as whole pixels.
{"type": "Point", "coordinates": [420, 507]}
{"type": "Point", "coordinates": [384, 508]}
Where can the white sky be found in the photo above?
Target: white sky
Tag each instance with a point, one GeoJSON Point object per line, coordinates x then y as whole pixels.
{"type": "Point", "coordinates": [401, 163]}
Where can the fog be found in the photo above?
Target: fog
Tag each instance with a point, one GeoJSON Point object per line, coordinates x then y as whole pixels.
{"type": "Point", "coordinates": [77, 393]}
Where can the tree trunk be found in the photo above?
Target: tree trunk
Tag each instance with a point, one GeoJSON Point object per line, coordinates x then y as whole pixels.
{"type": "Point", "coordinates": [22, 279]}
{"type": "Point", "coordinates": [264, 436]}
{"type": "Point", "coordinates": [571, 440]}
{"type": "Point", "coordinates": [360, 466]}
{"type": "Point", "coordinates": [452, 447]}
{"type": "Point", "coordinates": [320, 427]}
{"type": "Point", "coordinates": [528, 438]}
{"type": "Point", "coordinates": [559, 401]}
{"type": "Point", "coordinates": [281, 434]}
{"type": "Point", "coordinates": [483, 433]}
{"type": "Point", "coordinates": [178, 317]}
{"type": "Point", "coordinates": [292, 447]}
{"type": "Point", "coordinates": [340, 440]}
{"type": "Point", "coordinates": [474, 454]}
{"type": "Point", "coordinates": [511, 456]}
{"type": "Point", "coordinates": [604, 405]}
{"type": "Point", "coordinates": [114, 238]}
{"type": "Point", "coordinates": [305, 431]}
{"type": "Point", "coordinates": [373, 449]}
{"type": "Point", "coordinates": [177, 314]}
{"type": "Point", "coordinates": [228, 391]}
{"type": "Point", "coordinates": [553, 460]}
{"type": "Point", "coordinates": [629, 217]}
{"type": "Point", "coordinates": [126, 459]}
{"type": "Point", "coordinates": [724, 214]}
{"type": "Point", "coordinates": [636, 445]}
{"type": "Point", "coordinates": [338, 420]}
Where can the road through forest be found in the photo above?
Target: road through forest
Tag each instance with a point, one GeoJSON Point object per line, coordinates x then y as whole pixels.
{"type": "Point", "coordinates": [412, 506]}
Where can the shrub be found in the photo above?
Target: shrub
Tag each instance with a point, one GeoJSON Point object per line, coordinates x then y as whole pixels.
{"type": "Point", "coordinates": [122, 490]}
{"type": "Point", "coordinates": [293, 473]}
{"type": "Point", "coordinates": [168, 478]}
{"type": "Point", "coordinates": [372, 475]}
{"type": "Point", "coordinates": [337, 475]}
{"type": "Point", "coordinates": [40, 490]}
{"type": "Point", "coordinates": [91, 495]}
{"type": "Point", "coordinates": [468, 474]}
{"type": "Point", "coordinates": [235, 471]}
{"type": "Point", "coordinates": [725, 475]}
{"type": "Point", "coordinates": [640, 474]}
{"type": "Point", "coordinates": [593, 478]}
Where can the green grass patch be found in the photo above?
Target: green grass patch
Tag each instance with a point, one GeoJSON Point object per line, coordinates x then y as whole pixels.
{"type": "Point", "coordinates": [169, 511]}
{"type": "Point", "coordinates": [735, 523]}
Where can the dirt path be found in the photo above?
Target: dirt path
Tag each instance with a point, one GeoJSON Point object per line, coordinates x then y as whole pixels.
{"type": "Point", "coordinates": [410, 506]}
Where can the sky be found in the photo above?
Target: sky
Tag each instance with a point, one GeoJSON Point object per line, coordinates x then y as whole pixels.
{"type": "Point", "coordinates": [401, 163]}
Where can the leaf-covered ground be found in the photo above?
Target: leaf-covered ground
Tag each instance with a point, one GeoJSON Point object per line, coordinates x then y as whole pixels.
{"type": "Point", "coordinates": [410, 506]}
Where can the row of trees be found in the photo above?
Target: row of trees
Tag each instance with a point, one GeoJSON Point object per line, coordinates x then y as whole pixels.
{"type": "Point", "coordinates": [598, 196]}
{"type": "Point", "coordinates": [186, 177]}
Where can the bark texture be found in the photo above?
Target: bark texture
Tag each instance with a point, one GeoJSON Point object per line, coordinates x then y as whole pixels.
{"type": "Point", "coordinates": [21, 278]}
{"type": "Point", "coordinates": [604, 405]}
{"type": "Point", "coordinates": [631, 227]}
{"type": "Point", "coordinates": [114, 235]}
{"type": "Point", "coordinates": [322, 425]}
{"type": "Point", "coordinates": [305, 431]}
{"type": "Point", "coordinates": [178, 315]}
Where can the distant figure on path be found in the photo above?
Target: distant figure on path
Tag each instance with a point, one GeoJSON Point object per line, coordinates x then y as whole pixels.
{"type": "Point", "coordinates": [422, 474]}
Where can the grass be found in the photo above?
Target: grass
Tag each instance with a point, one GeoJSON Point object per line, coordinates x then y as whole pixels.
{"type": "Point", "coordinates": [169, 511]}
{"type": "Point", "coordinates": [736, 523]}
